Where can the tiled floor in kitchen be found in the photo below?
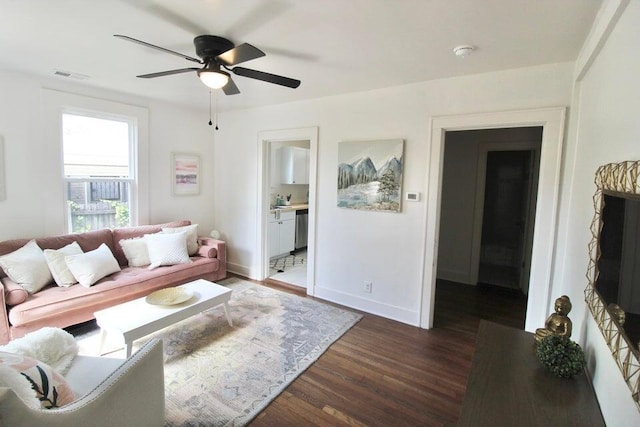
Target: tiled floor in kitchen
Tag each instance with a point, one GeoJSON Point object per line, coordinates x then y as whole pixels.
{"type": "Point", "coordinates": [290, 269]}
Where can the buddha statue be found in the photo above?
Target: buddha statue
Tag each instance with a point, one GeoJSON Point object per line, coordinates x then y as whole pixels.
{"type": "Point", "coordinates": [557, 323]}
{"type": "Point", "coordinates": [617, 313]}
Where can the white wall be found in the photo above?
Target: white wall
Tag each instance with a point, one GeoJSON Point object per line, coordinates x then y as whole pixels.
{"type": "Point", "coordinates": [605, 129]}
{"type": "Point", "coordinates": [28, 211]}
{"type": "Point", "coordinates": [354, 246]}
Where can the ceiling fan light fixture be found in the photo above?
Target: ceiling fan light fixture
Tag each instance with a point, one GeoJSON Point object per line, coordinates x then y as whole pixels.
{"type": "Point", "coordinates": [215, 79]}
{"type": "Point", "coordinates": [216, 52]}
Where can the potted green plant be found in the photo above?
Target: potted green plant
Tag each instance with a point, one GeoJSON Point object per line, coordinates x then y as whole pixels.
{"type": "Point", "coordinates": [561, 356]}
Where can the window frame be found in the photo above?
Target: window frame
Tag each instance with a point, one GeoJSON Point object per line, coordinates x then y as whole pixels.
{"type": "Point", "coordinates": [132, 150]}
{"type": "Point", "coordinates": [54, 104]}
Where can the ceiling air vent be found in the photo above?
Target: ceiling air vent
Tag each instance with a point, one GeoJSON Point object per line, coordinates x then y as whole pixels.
{"type": "Point", "coordinates": [70, 75]}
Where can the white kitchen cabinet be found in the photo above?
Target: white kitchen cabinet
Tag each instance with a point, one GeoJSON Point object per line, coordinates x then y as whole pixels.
{"type": "Point", "coordinates": [275, 173]}
{"type": "Point", "coordinates": [294, 165]}
{"type": "Point", "coordinates": [274, 238]}
{"type": "Point", "coordinates": [281, 232]}
{"type": "Point", "coordinates": [287, 235]}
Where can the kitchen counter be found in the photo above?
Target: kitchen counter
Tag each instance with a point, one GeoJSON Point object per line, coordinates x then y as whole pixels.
{"type": "Point", "coordinates": [292, 207]}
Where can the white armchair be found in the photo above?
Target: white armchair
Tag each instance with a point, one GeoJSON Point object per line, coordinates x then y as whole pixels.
{"type": "Point", "coordinates": [127, 393]}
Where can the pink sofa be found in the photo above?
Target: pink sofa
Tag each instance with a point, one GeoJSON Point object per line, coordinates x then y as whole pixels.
{"type": "Point", "coordinates": [65, 306]}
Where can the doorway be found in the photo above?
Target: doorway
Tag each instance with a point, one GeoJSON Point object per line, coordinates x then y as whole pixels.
{"type": "Point", "coordinates": [287, 231]}
{"type": "Point", "coordinates": [504, 216]}
{"type": "Point", "coordinates": [268, 175]}
{"type": "Point", "coordinates": [551, 120]}
{"type": "Point", "coordinates": [487, 209]}
{"type": "Point", "coordinates": [505, 210]}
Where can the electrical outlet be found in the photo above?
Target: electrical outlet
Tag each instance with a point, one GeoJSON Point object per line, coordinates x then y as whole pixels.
{"type": "Point", "coordinates": [367, 286]}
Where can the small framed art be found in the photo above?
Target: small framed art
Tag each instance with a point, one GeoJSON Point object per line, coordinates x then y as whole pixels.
{"type": "Point", "coordinates": [185, 174]}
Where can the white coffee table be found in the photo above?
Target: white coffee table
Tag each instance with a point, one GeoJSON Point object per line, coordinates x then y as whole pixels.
{"type": "Point", "coordinates": [135, 319]}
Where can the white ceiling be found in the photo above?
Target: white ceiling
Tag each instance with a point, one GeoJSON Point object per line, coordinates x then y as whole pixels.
{"type": "Point", "coordinates": [333, 46]}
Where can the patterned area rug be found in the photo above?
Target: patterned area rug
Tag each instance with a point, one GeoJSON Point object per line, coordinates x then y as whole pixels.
{"type": "Point", "coordinates": [217, 375]}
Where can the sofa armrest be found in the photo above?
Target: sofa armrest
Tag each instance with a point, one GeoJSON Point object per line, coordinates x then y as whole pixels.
{"type": "Point", "coordinates": [208, 243]}
{"type": "Point", "coordinates": [207, 251]}
{"type": "Point", "coordinates": [133, 395]}
{"type": "Point", "coordinates": [14, 294]}
{"type": "Point", "coordinates": [5, 334]}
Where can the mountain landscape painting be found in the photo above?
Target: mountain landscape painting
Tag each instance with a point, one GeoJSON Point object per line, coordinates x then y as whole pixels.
{"type": "Point", "coordinates": [370, 175]}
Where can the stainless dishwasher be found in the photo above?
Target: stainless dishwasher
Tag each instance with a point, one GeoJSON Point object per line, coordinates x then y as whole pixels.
{"type": "Point", "coordinates": [302, 218]}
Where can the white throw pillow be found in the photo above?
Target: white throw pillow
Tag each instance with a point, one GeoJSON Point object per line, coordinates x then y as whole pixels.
{"type": "Point", "coordinates": [58, 265]}
{"type": "Point", "coordinates": [136, 252]}
{"type": "Point", "coordinates": [92, 266]}
{"type": "Point", "coordinates": [192, 236]}
{"type": "Point", "coordinates": [27, 267]}
{"type": "Point", "coordinates": [167, 249]}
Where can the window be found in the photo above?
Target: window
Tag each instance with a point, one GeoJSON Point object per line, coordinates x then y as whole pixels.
{"type": "Point", "coordinates": [98, 154]}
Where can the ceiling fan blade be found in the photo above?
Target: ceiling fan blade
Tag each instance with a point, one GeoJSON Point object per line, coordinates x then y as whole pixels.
{"type": "Point", "coordinates": [152, 46]}
{"type": "Point", "coordinates": [167, 73]}
{"type": "Point", "coordinates": [266, 77]}
{"type": "Point", "coordinates": [244, 52]}
{"type": "Point", "coordinates": [230, 88]}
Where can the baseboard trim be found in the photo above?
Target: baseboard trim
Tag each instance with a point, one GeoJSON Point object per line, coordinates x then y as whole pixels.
{"type": "Point", "coordinates": [374, 307]}
{"type": "Point", "coordinates": [453, 275]}
{"type": "Point", "coordinates": [348, 300]}
{"type": "Point", "coordinates": [241, 270]}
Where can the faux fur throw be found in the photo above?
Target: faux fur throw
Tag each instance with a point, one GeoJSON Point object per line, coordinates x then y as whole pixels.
{"type": "Point", "coordinates": [53, 346]}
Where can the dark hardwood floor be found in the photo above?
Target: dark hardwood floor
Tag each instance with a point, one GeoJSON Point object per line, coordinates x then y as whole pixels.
{"type": "Point", "coordinates": [385, 373]}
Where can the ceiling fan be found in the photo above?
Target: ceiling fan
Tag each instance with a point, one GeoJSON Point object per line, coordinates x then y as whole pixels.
{"type": "Point", "coordinates": [216, 53]}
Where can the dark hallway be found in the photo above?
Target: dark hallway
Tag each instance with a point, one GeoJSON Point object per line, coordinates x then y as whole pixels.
{"type": "Point", "coordinates": [508, 206]}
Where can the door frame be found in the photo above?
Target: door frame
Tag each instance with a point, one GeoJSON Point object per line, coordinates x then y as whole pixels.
{"type": "Point", "coordinates": [478, 216]}
{"type": "Point", "coordinates": [552, 121]}
{"type": "Point", "coordinates": [265, 138]}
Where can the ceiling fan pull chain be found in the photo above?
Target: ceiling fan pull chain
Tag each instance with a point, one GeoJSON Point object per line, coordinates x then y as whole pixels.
{"type": "Point", "coordinates": [216, 111]}
{"type": "Point", "coordinates": [210, 123]}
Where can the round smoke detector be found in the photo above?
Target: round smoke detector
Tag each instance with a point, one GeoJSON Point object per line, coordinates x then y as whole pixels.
{"type": "Point", "coordinates": [463, 50]}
